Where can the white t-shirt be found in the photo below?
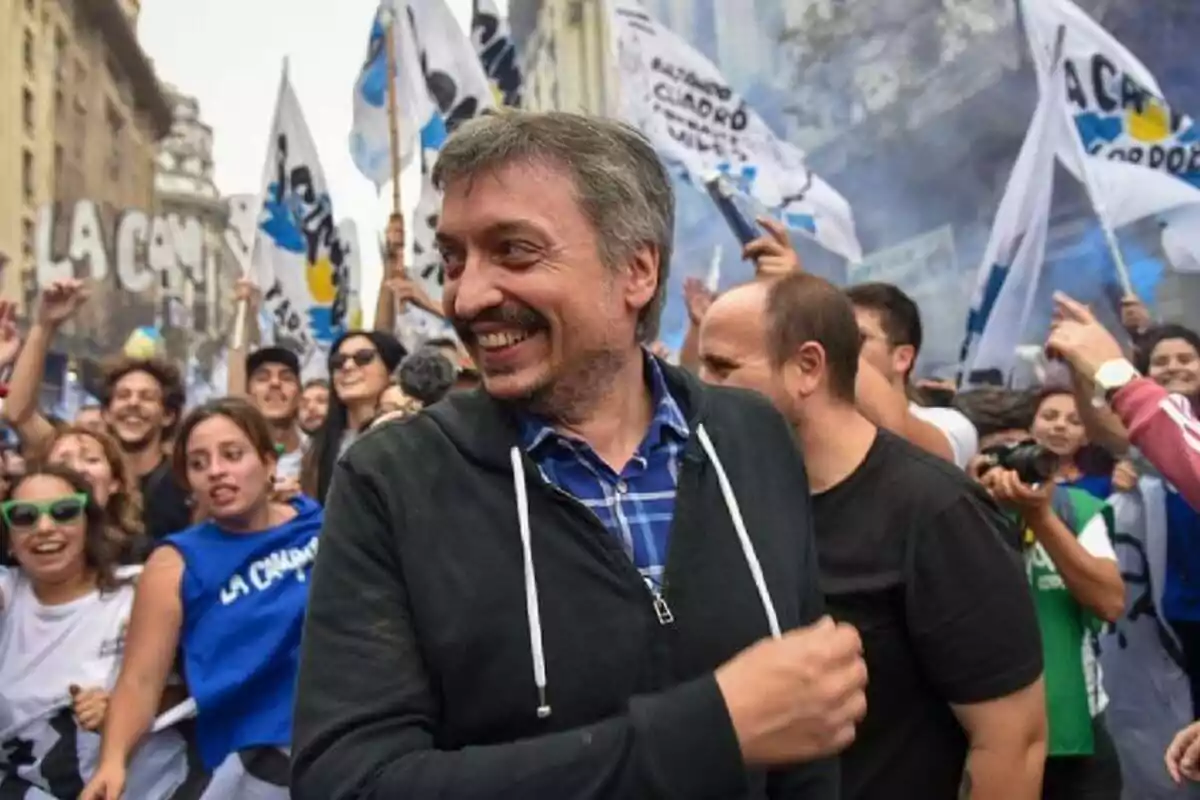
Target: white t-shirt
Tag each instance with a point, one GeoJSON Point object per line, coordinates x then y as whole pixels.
{"type": "Point", "coordinates": [288, 465]}
{"type": "Point", "coordinates": [44, 650]}
{"type": "Point", "coordinates": [963, 438]}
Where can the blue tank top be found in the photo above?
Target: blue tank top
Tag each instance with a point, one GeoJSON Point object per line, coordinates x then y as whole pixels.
{"type": "Point", "coordinates": [244, 597]}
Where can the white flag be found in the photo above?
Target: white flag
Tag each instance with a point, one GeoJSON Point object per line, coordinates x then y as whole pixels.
{"type": "Point", "coordinates": [493, 43]}
{"type": "Point", "coordinates": [1013, 260]}
{"type": "Point", "coordinates": [370, 145]}
{"type": "Point", "coordinates": [682, 103]}
{"type": "Point", "coordinates": [1181, 239]}
{"type": "Point", "coordinates": [1141, 156]}
{"type": "Point", "coordinates": [348, 233]}
{"type": "Point", "coordinates": [298, 250]}
{"type": "Point", "coordinates": [455, 81]}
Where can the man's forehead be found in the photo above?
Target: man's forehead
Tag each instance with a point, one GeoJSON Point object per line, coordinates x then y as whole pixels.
{"type": "Point", "coordinates": [137, 378]}
{"type": "Point", "coordinates": [506, 195]}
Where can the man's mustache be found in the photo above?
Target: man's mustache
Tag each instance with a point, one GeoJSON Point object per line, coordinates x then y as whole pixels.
{"type": "Point", "coordinates": [514, 315]}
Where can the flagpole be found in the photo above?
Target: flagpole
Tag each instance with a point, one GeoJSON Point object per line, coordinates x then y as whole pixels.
{"type": "Point", "coordinates": [393, 112]}
{"type": "Point", "coordinates": [1110, 236]}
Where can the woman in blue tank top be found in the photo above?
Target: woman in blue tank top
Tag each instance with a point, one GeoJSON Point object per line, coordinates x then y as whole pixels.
{"type": "Point", "coordinates": [230, 593]}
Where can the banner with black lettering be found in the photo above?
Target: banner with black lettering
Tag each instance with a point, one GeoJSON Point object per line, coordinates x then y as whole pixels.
{"type": "Point", "coordinates": [1138, 155]}
{"type": "Point", "coordinates": [493, 43]}
{"type": "Point", "coordinates": [698, 123]}
{"type": "Point", "coordinates": [298, 253]}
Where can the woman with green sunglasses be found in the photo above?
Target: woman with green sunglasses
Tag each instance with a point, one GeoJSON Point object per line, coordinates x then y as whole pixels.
{"type": "Point", "coordinates": [63, 614]}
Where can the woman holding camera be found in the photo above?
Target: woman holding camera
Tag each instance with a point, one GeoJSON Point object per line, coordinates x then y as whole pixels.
{"type": "Point", "coordinates": [1076, 586]}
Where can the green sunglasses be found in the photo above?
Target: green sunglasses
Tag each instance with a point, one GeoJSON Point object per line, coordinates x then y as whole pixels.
{"type": "Point", "coordinates": [24, 514]}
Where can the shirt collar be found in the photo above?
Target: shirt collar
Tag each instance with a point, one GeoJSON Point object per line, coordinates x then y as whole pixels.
{"type": "Point", "coordinates": [667, 419]}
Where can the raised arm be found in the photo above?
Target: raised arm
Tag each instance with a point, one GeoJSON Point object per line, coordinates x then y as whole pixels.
{"type": "Point", "coordinates": [58, 303]}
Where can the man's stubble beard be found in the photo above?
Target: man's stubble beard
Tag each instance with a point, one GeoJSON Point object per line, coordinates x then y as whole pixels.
{"type": "Point", "coordinates": [570, 398]}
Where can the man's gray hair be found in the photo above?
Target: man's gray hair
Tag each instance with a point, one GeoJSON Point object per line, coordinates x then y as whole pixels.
{"type": "Point", "coordinates": [622, 186]}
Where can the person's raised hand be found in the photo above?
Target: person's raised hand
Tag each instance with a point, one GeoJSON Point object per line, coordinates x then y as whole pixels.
{"type": "Point", "coordinates": [772, 253]}
{"type": "Point", "coordinates": [60, 300]}
{"type": "Point", "coordinates": [1076, 336]}
{"type": "Point", "coordinates": [107, 783]}
{"type": "Point", "coordinates": [799, 697]}
{"type": "Point", "coordinates": [1135, 317]}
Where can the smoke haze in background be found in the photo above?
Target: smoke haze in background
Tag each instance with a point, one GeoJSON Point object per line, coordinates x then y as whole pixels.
{"type": "Point", "coordinates": [914, 110]}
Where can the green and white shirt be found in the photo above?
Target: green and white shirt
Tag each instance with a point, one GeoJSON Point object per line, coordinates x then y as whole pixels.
{"type": "Point", "coordinates": [1074, 694]}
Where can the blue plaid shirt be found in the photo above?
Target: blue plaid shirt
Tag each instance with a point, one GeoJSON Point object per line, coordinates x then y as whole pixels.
{"type": "Point", "coordinates": [635, 505]}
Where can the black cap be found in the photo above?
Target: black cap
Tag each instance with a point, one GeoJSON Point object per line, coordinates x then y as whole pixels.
{"type": "Point", "coordinates": [272, 355]}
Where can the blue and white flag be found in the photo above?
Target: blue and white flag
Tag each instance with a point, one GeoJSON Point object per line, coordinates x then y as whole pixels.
{"type": "Point", "coordinates": [298, 254]}
{"type": "Point", "coordinates": [493, 43]}
{"type": "Point", "coordinates": [370, 145]}
{"type": "Point", "coordinates": [456, 83]}
{"type": "Point", "coordinates": [1012, 261]}
{"type": "Point", "coordinates": [1115, 131]}
{"type": "Point", "coordinates": [699, 124]}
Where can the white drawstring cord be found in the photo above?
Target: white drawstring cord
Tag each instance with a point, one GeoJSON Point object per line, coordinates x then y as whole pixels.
{"type": "Point", "coordinates": [531, 593]}
{"type": "Point", "coordinates": [739, 525]}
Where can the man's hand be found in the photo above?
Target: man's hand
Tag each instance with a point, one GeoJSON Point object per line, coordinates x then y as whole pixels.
{"type": "Point", "coordinates": [772, 253]}
{"type": "Point", "coordinates": [90, 706]}
{"type": "Point", "coordinates": [797, 698]}
{"type": "Point", "coordinates": [60, 300]}
{"type": "Point", "coordinates": [1008, 490]}
{"type": "Point", "coordinates": [1079, 338]}
{"type": "Point", "coordinates": [1135, 317]}
{"type": "Point", "coordinates": [698, 299]}
{"type": "Point", "coordinates": [248, 292]}
{"type": "Point", "coordinates": [10, 337]}
{"type": "Point", "coordinates": [1183, 755]}
{"type": "Point", "coordinates": [393, 237]}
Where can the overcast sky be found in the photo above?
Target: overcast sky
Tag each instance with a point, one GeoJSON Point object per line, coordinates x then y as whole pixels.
{"type": "Point", "coordinates": [228, 54]}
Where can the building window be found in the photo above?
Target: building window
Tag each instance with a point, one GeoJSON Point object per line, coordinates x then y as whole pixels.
{"type": "Point", "coordinates": [60, 106]}
{"type": "Point", "coordinates": [31, 6]}
{"type": "Point", "coordinates": [28, 238]}
{"type": "Point", "coordinates": [29, 51]}
{"type": "Point", "coordinates": [58, 165]}
{"type": "Point", "coordinates": [27, 174]}
{"type": "Point", "coordinates": [27, 110]}
{"type": "Point", "coordinates": [81, 73]}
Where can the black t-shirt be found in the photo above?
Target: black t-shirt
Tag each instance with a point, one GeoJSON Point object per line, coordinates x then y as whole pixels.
{"type": "Point", "coordinates": [914, 555]}
{"type": "Point", "coordinates": [165, 508]}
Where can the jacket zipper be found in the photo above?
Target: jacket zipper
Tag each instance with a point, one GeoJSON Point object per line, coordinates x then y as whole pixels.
{"type": "Point", "coordinates": [658, 603]}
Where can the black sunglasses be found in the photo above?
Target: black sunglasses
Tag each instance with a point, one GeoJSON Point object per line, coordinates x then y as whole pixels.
{"type": "Point", "coordinates": [24, 514]}
{"type": "Point", "coordinates": [360, 357]}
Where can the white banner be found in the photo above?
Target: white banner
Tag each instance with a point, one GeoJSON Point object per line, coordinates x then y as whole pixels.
{"type": "Point", "coordinates": [1014, 256]}
{"type": "Point", "coordinates": [298, 249]}
{"type": "Point", "coordinates": [697, 122]}
{"type": "Point", "coordinates": [1141, 156]}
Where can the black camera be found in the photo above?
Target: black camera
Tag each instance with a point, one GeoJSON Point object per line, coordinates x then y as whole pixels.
{"type": "Point", "coordinates": [1033, 463]}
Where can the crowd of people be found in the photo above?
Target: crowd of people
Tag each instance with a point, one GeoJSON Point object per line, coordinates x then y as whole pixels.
{"type": "Point", "coordinates": [542, 560]}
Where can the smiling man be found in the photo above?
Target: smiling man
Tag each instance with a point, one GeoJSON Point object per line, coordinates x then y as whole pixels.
{"type": "Point", "coordinates": [273, 384]}
{"type": "Point", "coordinates": [142, 400]}
{"type": "Point", "coordinates": [593, 577]}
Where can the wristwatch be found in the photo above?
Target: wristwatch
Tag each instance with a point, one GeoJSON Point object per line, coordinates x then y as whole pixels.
{"type": "Point", "coordinates": [1111, 376]}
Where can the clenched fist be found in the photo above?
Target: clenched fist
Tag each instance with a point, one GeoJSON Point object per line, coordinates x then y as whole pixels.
{"type": "Point", "coordinates": [797, 698]}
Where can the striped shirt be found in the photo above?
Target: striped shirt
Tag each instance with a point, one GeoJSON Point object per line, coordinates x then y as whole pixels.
{"type": "Point", "coordinates": [637, 504]}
